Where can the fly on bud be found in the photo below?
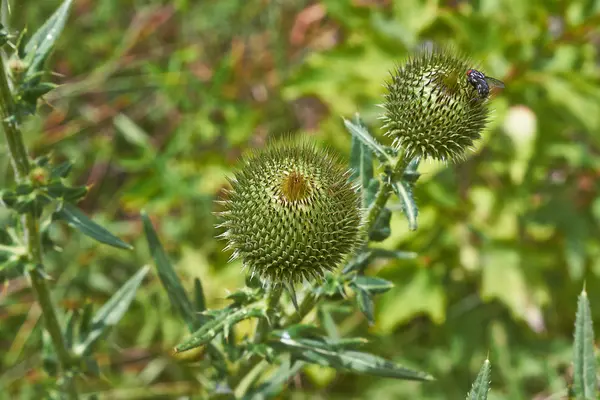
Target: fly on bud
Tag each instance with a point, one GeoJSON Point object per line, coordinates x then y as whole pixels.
{"type": "Point", "coordinates": [429, 106]}
{"type": "Point", "coordinates": [482, 83]}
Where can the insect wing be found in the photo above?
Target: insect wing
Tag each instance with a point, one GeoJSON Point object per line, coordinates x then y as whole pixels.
{"type": "Point", "coordinates": [494, 82]}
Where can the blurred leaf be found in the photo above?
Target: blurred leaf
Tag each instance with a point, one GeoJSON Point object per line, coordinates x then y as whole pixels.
{"type": "Point", "coordinates": [319, 352]}
{"type": "Point", "coordinates": [584, 358]}
{"type": "Point", "coordinates": [393, 254]}
{"type": "Point", "coordinates": [361, 133]}
{"type": "Point", "coordinates": [199, 300]}
{"type": "Point", "coordinates": [328, 322]}
{"type": "Point", "coordinates": [381, 229]}
{"type": "Point", "coordinates": [40, 44]}
{"type": "Point", "coordinates": [503, 280]}
{"type": "Point", "coordinates": [409, 207]}
{"type": "Point", "coordinates": [169, 278]}
{"type": "Point", "coordinates": [212, 328]}
{"type": "Point", "coordinates": [425, 294]}
{"type": "Point", "coordinates": [112, 311]}
{"type": "Point", "coordinates": [481, 386]}
{"type": "Point", "coordinates": [371, 284]}
{"type": "Point", "coordinates": [81, 222]}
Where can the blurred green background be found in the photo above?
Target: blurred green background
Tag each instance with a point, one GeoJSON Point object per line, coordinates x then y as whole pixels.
{"type": "Point", "coordinates": [160, 98]}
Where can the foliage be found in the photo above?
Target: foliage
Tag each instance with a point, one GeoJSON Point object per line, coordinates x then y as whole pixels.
{"type": "Point", "coordinates": [157, 101]}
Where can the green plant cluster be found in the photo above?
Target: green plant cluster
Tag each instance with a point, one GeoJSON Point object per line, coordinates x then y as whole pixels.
{"type": "Point", "coordinates": [162, 100]}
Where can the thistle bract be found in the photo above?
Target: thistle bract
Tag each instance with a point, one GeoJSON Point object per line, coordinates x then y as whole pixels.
{"type": "Point", "coordinates": [431, 110]}
{"type": "Point", "coordinates": [292, 213]}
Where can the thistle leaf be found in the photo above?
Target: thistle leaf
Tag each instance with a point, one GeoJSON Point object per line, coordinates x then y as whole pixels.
{"type": "Point", "coordinates": [39, 46]}
{"type": "Point", "coordinates": [215, 326]}
{"type": "Point", "coordinates": [78, 220]}
{"type": "Point", "coordinates": [362, 134]}
{"type": "Point", "coordinates": [404, 192]}
{"type": "Point", "coordinates": [584, 359]}
{"type": "Point", "coordinates": [481, 386]}
{"type": "Point", "coordinates": [112, 311]}
{"type": "Point", "coordinates": [319, 351]}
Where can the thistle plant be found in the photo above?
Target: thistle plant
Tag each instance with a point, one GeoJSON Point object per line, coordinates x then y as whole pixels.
{"type": "Point", "coordinates": [41, 196]}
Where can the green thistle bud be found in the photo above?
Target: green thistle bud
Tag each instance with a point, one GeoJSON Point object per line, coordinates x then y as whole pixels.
{"type": "Point", "coordinates": [292, 213]}
{"type": "Point", "coordinates": [431, 110]}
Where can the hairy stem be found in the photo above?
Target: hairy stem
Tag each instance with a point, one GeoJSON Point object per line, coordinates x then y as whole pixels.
{"type": "Point", "coordinates": [20, 162]}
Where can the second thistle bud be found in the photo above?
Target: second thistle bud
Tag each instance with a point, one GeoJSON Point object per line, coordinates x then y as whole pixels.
{"type": "Point", "coordinates": [291, 213]}
{"type": "Point", "coordinates": [431, 110]}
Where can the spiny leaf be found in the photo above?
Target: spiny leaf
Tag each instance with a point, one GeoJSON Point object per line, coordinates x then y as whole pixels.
{"type": "Point", "coordinates": [326, 354]}
{"type": "Point", "coordinates": [361, 162]}
{"type": "Point", "coordinates": [112, 311]}
{"type": "Point", "coordinates": [78, 220]}
{"type": "Point", "coordinates": [40, 44]}
{"type": "Point", "coordinates": [481, 386]}
{"type": "Point", "coordinates": [213, 327]}
{"type": "Point", "coordinates": [404, 192]}
{"type": "Point", "coordinates": [584, 359]}
{"type": "Point", "coordinates": [365, 137]}
{"type": "Point", "coordinates": [169, 278]}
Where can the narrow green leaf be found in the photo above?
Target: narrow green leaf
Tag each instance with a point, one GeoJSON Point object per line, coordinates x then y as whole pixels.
{"type": "Point", "coordinates": [213, 327]}
{"type": "Point", "coordinates": [169, 279]}
{"type": "Point", "coordinates": [481, 386]}
{"type": "Point", "coordinates": [199, 300]}
{"type": "Point", "coordinates": [365, 304]}
{"type": "Point", "coordinates": [404, 192]}
{"type": "Point", "coordinates": [361, 162]}
{"type": "Point", "coordinates": [322, 353]}
{"type": "Point", "coordinates": [584, 359]}
{"type": "Point", "coordinates": [112, 311]}
{"type": "Point", "coordinates": [358, 262]}
{"type": "Point", "coordinates": [369, 141]}
{"type": "Point", "coordinates": [328, 322]}
{"type": "Point", "coordinates": [69, 333]}
{"type": "Point", "coordinates": [78, 220]}
{"type": "Point", "coordinates": [371, 284]}
{"type": "Point", "coordinates": [42, 41]}
{"type": "Point", "coordinates": [371, 192]}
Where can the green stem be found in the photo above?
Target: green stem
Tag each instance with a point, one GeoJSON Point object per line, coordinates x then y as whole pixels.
{"type": "Point", "coordinates": [20, 162]}
{"type": "Point", "coordinates": [385, 191]}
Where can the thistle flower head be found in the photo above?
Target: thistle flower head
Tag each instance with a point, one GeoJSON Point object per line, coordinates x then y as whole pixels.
{"type": "Point", "coordinates": [292, 213]}
{"type": "Point", "coordinates": [431, 110]}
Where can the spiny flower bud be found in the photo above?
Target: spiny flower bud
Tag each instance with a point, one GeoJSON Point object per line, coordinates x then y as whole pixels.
{"type": "Point", "coordinates": [292, 213]}
{"type": "Point", "coordinates": [431, 110]}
